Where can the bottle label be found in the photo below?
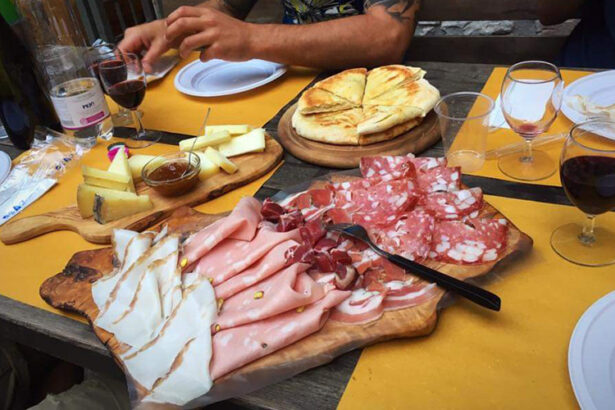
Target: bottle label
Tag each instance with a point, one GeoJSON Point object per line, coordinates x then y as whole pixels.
{"type": "Point", "coordinates": [79, 103]}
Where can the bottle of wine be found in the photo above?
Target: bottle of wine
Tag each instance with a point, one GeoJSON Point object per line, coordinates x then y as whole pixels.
{"type": "Point", "coordinates": [23, 103]}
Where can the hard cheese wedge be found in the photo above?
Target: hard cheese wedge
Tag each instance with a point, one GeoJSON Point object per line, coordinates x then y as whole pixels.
{"type": "Point", "coordinates": [106, 179]}
{"type": "Point", "coordinates": [209, 140]}
{"type": "Point", "coordinates": [85, 198]}
{"type": "Point", "coordinates": [115, 205]}
{"type": "Point", "coordinates": [220, 160]}
{"type": "Point", "coordinates": [208, 168]}
{"type": "Point", "coordinates": [137, 162]}
{"type": "Point", "coordinates": [232, 129]}
{"type": "Point", "coordinates": [254, 141]}
{"type": "Point", "coordinates": [119, 165]}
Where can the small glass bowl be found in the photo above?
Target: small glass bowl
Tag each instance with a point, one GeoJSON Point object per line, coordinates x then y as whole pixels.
{"type": "Point", "coordinates": [172, 185]}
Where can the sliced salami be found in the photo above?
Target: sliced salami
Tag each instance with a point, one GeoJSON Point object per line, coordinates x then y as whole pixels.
{"type": "Point", "coordinates": [439, 178]}
{"type": "Point", "coordinates": [453, 205]}
{"type": "Point", "coordinates": [385, 203]}
{"type": "Point", "coordinates": [410, 236]}
{"type": "Point", "coordinates": [388, 168]}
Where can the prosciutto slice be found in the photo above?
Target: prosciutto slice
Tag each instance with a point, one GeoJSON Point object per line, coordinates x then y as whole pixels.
{"type": "Point", "coordinates": [241, 224]}
{"type": "Point", "coordinates": [272, 262]}
{"type": "Point", "coordinates": [255, 340]}
{"type": "Point", "coordinates": [284, 291]}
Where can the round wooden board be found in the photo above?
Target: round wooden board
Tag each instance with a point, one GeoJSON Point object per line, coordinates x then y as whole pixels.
{"type": "Point", "coordinates": [416, 140]}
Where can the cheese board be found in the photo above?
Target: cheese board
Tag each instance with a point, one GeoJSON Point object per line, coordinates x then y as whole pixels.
{"type": "Point", "coordinates": [250, 167]}
{"type": "Point", "coordinates": [414, 141]}
{"type": "Point", "coordinates": [71, 290]}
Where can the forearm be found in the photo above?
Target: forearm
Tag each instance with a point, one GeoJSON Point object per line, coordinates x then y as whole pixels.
{"type": "Point", "coordinates": [366, 40]}
{"type": "Point", "coordinates": [557, 11]}
{"type": "Point", "coordinates": [236, 8]}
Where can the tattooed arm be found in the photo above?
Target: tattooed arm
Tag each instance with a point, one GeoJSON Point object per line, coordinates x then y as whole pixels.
{"type": "Point", "coordinates": [236, 8]}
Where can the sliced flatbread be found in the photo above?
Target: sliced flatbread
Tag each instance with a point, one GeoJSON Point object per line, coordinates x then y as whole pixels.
{"type": "Point", "coordinates": [338, 128]}
{"type": "Point", "coordinates": [419, 94]}
{"type": "Point", "coordinates": [348, 84]}
{"type": "Point", "coordinates": [382, 79]}
{"type": "Point", "coordinates": [389, 134]}
{"type": "Point", "coordinates": [380, 118]}
{"type": "Point", "coordinates": [316, 100]}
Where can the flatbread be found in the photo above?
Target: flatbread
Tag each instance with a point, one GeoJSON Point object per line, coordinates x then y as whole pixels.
{"type": "Point", "coordinates": [349, 85]}
{"type": "Point", "coordinates": [380, 118]}
{"type": "Point", "coordinates": [419, 94]}
{"type": "Point", "coordinates": [332, 128]}
{"type": "Point", "coordinates": [316, 100]}
{"type": "Point", "coordinates": [382, 79]}
{"type": "Point", "coordinates": [390, 133]}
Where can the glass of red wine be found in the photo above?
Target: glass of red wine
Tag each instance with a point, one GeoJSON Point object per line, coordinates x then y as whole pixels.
{"type": "Point", "coordinates": [531, 97]}
{"type": "Point", "coordinates": [125, 83]}
{"type": "Point", "coordinates": [587, 171]}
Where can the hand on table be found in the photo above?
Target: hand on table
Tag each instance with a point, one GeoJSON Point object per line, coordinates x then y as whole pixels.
{"type": "Point", "coordinates": [218, 35]}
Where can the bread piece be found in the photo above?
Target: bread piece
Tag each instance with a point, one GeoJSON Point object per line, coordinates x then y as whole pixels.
{"type": "Point", "coordinates": [332, 128]}
{"type": "Point", "coordinates": [380, 118]}
{"type": "Point", "coordinates": [316, 100]}
{"type": "Point", "coordinates": [389, 134]}
{"type": "Point", "coordinates": [348, 84]}
{"type": "Point", "coordinates": [382, 79]}
{"type": "Point", "coordinates": [419, 94]}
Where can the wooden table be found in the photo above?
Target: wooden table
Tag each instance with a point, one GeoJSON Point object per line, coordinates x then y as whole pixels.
{"type": "Point", "coordinates": [321, 387]}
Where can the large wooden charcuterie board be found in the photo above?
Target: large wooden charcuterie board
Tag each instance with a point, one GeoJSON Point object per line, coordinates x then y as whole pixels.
{"type": "Point", "coordinates": [251, 167]}
{"type": "Point", "coordinates": [71, 290]}
{"type": "Point", "coordinates": [415, 141]}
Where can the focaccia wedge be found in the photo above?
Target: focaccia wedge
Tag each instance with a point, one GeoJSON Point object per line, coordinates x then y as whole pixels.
{"type": "Point", "coordinates": [338, 128]}
{"type": "Point", "coordinates": [419, 94]}
{"type": "Point", "coordinates": [316, 100]}
{"type": "Point", "coordinates": [382, 79]}
{"type": "Point", "coordinates": [348, 84]}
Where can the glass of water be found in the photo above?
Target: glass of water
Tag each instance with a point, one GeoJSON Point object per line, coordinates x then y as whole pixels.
{"type": "Point", "coordinates": [464, 125]}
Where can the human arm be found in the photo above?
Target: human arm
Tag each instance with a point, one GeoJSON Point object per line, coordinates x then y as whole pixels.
{"type": "Point", "coordinates": [557, 11]}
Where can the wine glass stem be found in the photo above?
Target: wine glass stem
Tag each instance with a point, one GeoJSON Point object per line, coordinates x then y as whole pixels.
{"type": "Point", "coordinates": [528, 155]}
{"type": "Point", "coordinates": [140, 130]}
{"type": "Point", "coordinates": [587, 237]}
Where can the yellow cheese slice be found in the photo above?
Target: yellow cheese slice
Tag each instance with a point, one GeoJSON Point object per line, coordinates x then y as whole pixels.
{"type": "Point", "coordinates": [210, 140]}
{"type": "Point", "coordinates": [232, 129]}
{"type": "Point", "coordinates": [254, 141]}
{"type": "Point", "coordinates": [208, 168]}
{"type": "Point", "coordinates": [113, 205]}
{"type": "Point", "coordinates": [85, 198]}
{"type": "Point", "coordinates": [119, 165]}
{"type": "Point", "coordinates": [137, 162]}
{"type": "Point", "coordinates": [105, 179]}
{"type": "Point", "coordinates": [220, 160]}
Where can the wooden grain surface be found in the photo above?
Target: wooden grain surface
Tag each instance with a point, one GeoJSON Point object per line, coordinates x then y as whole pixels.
{"type": "Point", "coordinates": [251, 167]}
{"type": "Point", "coordinates": [419, 138]}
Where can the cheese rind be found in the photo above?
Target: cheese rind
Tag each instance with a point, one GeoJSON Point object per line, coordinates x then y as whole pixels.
{"type": "Point", "coordinates": [204, 141]}
{"type": "Point", "coordinates": [116, 204]}
{"type": "Point", "coordinates": [85, 198]}
{"type": "Point", "coordinates": [232, 129]}
{"type": "Point", "coordinates": [137, 162]}
{"type": "Point", "coordinates": [220, 160]}
{"type": "Point", "coordinates": [119, 165]}
{"type": "Point", "coordinates": [254, 141]}
{"type": "Point", "coordinates": [208, 168]}
{"type": "Point", "coordinates": [105, 179]}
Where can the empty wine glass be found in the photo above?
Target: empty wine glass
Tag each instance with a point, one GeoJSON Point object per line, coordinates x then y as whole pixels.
{"type": "Point", "coordinates": [587, 171]}
{"type": "Point", "coordinates": [125, 83]}
{"type": "Point", "coordinates": [531, 98]}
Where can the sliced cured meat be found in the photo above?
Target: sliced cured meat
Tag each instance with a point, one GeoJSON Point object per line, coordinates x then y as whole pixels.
{"type": "Point", "coordinates": [289, 221]}
{"type": "Point", "coordinates": [388, 167]}
{"type": "Point", "coordinates": [403, 294]}
{"type": "Point", "coordinates": [453, 205]}
{"type": "Point", "coordinates": [284, 291]}
{"type": "Point", "coordinates": [384, 203]}
{"type": "Point", "coordinates": [312, 231]}
{"type": "Point", "coordinates": [321, 197]}
{"type": "Point", "coordinates": [439, 179]}
{"type": "Point", "coordinates": [274, 261]}
{"type": "Point", "coordinates": [232, 256]}
{"type": "Point", "coordinates": [272, 211]}
{"type": "Point", "coordinates": [241, 224]}
{"type": "Point", "coordinates": [461, 242]}
{"type": "Point", "coordinates": [362, 306]}
{"type": "Point", "coordinates": [410, 236]}
{"type": "Point", "coordinates": [424, 164]}
{"type": "Point", "coordinates": [255, 340]}
{"type": "Point", "coordinates": [355, 183]}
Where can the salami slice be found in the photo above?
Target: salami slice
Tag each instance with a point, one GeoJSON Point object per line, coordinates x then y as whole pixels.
{"type": "Point", "coordinates": [439, 178]}
{"type": "Point", "coordinates": [384, 203]}
{"type": "Point", "coordinates": [424, 164]}
{"type": "Point", "coordinates": [453, 205]}
{"type": "Point", "coordinates": [475, 241]}
{"type": "Point", "coordinates": [388, 168]}
{"type": "Point", "coordinates": [410, 236]}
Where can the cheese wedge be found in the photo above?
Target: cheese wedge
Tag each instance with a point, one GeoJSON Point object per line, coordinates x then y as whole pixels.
{"type": "Point", "coordinates": [119, 165]}
{"type": "Point", "coordinates": [254, 141]}
{"type": "Point", "coordinates": [137, 162]}
{"type": "Point", "coordinates": [115, 205]}
{"type": "Point", "coordinates": [85, 198]}
{"type": "Point", "coordinates": [105, 179]}
{"type": "Point", "coordinates": [220, 160]}
{"type": "Point", "coordinates": [208, 168]}
{"type": "Point", "coordinates": [208, 140]}
{"type": "Point", "coordinates": [232, 129]}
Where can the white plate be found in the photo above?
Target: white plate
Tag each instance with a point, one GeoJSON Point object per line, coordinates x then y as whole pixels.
{"type": "Point", "coordinates": [218, 77]}
{"type": "Point", "coordinates": [591, 356]}
{"type": "Point", "coordinates": [5, 166]}
{"type": "Point", "coordinates": [599, 88]}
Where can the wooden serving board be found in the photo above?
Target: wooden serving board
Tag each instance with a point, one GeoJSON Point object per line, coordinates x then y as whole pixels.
{"type": "Point", "coordinates": [415, 141]}
{"type": "Point", "coordinates": [71, 290]}
{"type": "Point", "coordinates": [251, 167]}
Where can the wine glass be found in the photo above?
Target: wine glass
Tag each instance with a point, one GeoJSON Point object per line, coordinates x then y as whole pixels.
{"type": "Point", "coordinates": [531, 98]}
{"type": "Point", "coordinates": [587, 171]}
{"type": "Point", "coordinates": [124, 81]}
{"type": "Point", "coordinates": [94, 56]}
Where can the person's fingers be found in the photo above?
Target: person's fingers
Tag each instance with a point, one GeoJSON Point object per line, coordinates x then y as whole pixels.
{"type": "Point", "coordinates": [190, 43]}
{"type": "Point", "coordinates": [183, 27]}
{"type": "Point", "coordinates": [184, 11]}
{"type": "Point", "coordinates": [157, 48]}
{"type": "Point", "coordinates": [132, 41]}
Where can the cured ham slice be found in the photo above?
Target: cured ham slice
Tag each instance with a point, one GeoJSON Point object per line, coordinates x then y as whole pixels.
{"type": "Point", "coordinates": [276, 259]}
{"type": "Point", "coordinates": [120, 238]}
{"type": "Point", "coordinates": [194, 315]}
{"type": "Point", "coordinates": [241, 224]}
{"type": "Point", "coordinates": [232, 256]}
{"type": "Point", "coordinates": [362, 306]}
{"type": "Point", "coordinates": [255, 340]}
{"type": "Point", "coordinates": [403, 294]}
{"type": "Point", "coordinates": [453, 205]}
{"type": "Point", "coordinates": [168, 280]}
{"type": "Point", "coordinates": [284, 291]}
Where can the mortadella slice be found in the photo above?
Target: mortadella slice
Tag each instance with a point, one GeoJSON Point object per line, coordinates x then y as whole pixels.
{"type": "Point", "coordinates": [255, 340]}
{"type": "Point", "coordinates": [232, 256]}
{"type": "Point", "coordinates": [271, 263]}
{"type": "Point", "coordinates": [284, 291]}
{"type": "Point", "coordinates": [241, 224]}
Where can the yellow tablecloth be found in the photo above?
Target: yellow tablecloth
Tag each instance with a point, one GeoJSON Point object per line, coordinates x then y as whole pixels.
{"type": "Point", "coordinates": [24, 266]}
